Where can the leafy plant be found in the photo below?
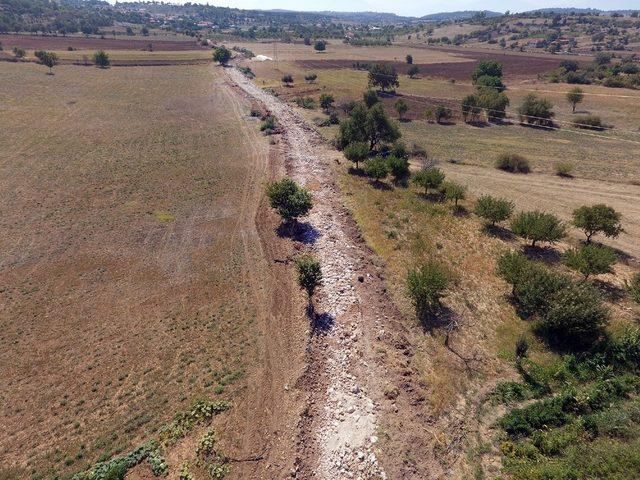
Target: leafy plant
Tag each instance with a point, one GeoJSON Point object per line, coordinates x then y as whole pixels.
{"type": "Point", "coordinates": [493, 210]}
{"type": "Point", "coordinates": [426, 285]}
{"type": "Point", "coordinates": [290, 200]}
{"type": "Point", "coordinates": [596, 219]}
{"type": "Point", "coordinates": [590, 260]}
{"type": "Point", "coordinates": [512, 162]}
{"type": "Point", "coordinates": [538, 227]}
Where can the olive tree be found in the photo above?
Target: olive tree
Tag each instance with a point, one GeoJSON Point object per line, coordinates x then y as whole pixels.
{"type": "Point", "coordinates": [357, 152]}
{"type": "Point", "coordinates": [289, 199]}
{"type": "Point", "coordinates": [383, 76]}
{"type": "Point", "coordinates": [599, 218]}
{"type": "Point", "coordinates": [309, 275]}
{"type": "Point", "coordinates": [426, 285]}
{"type": "Point", "coordinates": [574, 97]}
{"type": "Point", "coordinates": [428, 178]}
{"type": "Point", "coordinates": [538, 227]}
{"type": "Point", "coordinates": [222, 55]}
{"type": "Point", "coordinates": [493, 210]}
{"type": "Point", "coordinates": [454, 192]}
{"type": "Point", "coordinates": [590, 260]}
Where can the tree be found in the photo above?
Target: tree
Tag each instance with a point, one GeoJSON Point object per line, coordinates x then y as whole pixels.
{"type": "Point", "coordinates": [590, 260]}
{"type": "Point", "coordinates": [442, 113]}
{"type": "Point", "coordinates": [379, 127]}
{"type": "Point", "coordinates": [454, 192]}
{"type": "Point", "coordinates": [353, 129]}
{"type": "Point", "coordinates": [287, 80]}
{"type": "Point", "coordinates": [19, 52]}
{"type": "Point", "coordinates": [489, 68]}
{"type": "Point", "coordinates": [492, 83]}
{"type": "Point", "coordinates": [401, 107]}
{"type": "Point", "coordinates": [48, 59]}
{"type": "Point", "coordinates": [429, 178]}
{"type": "Point", "coordinates": [399, 168]}
{"type": "Point", "coordinates": [493, 102]}
{"type": "Point", "coordinates": [320, 46]}
{"type": "Point", "coordinates": [326, 101]}
{"type": "Point", "coordinates": [357, 152]}
{"type": "Point", "coordinates": [289, 199]}
{"type": "Point", "coordinates": [599, 218]}
{"type": "Point", "coordinates": [311, 77]}
{"type": "Point", "coordinates": [574, 97]}
{"type": "Point", "coordinates": [512, 267]}
{"type": "Point", "coordinates": [145, 31]}
{"type": "Point", "coordinates": [471, 108]}
{"type": "Point", "coordinates": [383, 76]}
{"type": "Point", "coordinates": [536, 111]}
{"type": "Point", "coordinates": [538, 227]}
{"type": "Point", "coordinates": [101, 59]}
{"type": "Point", "coordinates": [493, 210]}
{"type": "Point", "coordinates": [376, 167]}
{"type": "Point", "coordinates": [426, 285]}
{"type": "Point", "coordinates": [409, 59]}
{"type": "Point", "coordinates": [222, 55]}
{"type": "Point", "coordinates": [413, 71]}
{"type": "Point", "coordinates": [570, 65]}
{"type": "Point", "coordinates": [370, 98]}
{"type": "Point", "coordinates": [309, 275]}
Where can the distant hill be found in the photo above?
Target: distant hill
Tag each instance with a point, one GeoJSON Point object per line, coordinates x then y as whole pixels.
{"type": "Point", "coordinates": [462, 15]}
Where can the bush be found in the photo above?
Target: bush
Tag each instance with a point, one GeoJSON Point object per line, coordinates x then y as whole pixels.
{"type": "Point", "coordinates": [311, 77]}
{"type": "Point", "coordinates": [563, 169]}
{"type": "Point", "coordinates": [399, 150]}
{"type": "Point", "coordinates": [289, 199]}
{"type": "Point", "coordinates": [576, 317]}
{"type": "Point", "coordinates": [536, 111]}
{"type": "Point", "coordinates": [538, 227]}
{"type": "Point", "coordinates": [426, 285]}
{"type": "Point", "coordinates": [101, 59]}
{"type": "Point", "coordinates": [401, 107]}
{"type": "Point", "coordinates": [370, 98]}
{"type": "Point", "coordinates": [454, 192]}
{"type": "Point", "coordinates": [287, 80]}
{"type": "Point", "coordinates": [357, 152]}
{"type": "Point", "coordinates": [326, 101]}
{"type": "Point", "coordinates": [471, 108]}
{"type": "Point", "coordinates": [634, 288]}
{"type": "Point", "coordinates": [588, 122]}
{"type": "Point", "coordinates": [590, 260]}
{"type": "Point", "coordinates": [512, 266]}
{"type": "Point", "coordinates": [524, 421]}
{"type": "Point", "coordinates": [534, 287]}
{"type": "Point", "coordinates": [413, 71]}
{"type": "Point", "coordinates": [429, 178]}
{"type": "Point", "coordinates": [222, 55]}
{"type": "Point", "coordinates": [598, 218]}
{"type": "Point", "coordinates": [306, 102]}
{"type": "Point", "coordinates": [512, 162]}
{"type": "Point", "coordinates": [376, 168]}
{"type": "Point", "coordinates": [269, 125]}
{"type": "Point", "coordinates": [320, 46]}
{"type": "Point", "coordinates": [442, 113]}
{"type": "Point", "coordinates": [309, 274]}
{"type": "Point", "coordinates": [493, 210]}
{"type": "Point", "coordinates": [399, 168]}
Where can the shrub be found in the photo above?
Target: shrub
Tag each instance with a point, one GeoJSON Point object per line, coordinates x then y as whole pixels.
{"type": "Point", "coordinates": [357, 152]}
{"type": "Point", "coordinates": [590, 260]}
{"type": "Point", "coordinates": [494, 210]}
{"type": "Point", "coordinates": [399, 150]}
{"type": "Point", "coordinates": [471, 108]}
{"type": "Point", "coordinates": [574, 97]}
{"type": "Point", "coordinates": [287, 80]}
{"type": "Point", "coordinates": [311, 77]}
{"type": "Point", "coordinates": [326, 101]}
{"type": "Point", "coordinates": [269, 125]}
{"type": "Point", "coordinates": [401, 107]}
{"type": "Point", "coordinates": [454, 191]}
{"type": "Point", "coordinates": [429, 178]}
{"type": "Point", "coordinates": [534, 287]}
{"type": "Point", "coordinates": [289, 199]}
{"type": "Point", "coordinates": [320, 46]}
{"type": "Point", "coordinates": [377, 168]}
{"type": "Point", "coordinates": [524, 421]}
{"type": "Point", "coordinates": [512, 266]}
{"type": "Point", "coordinates": [370, 98]}
{"type": "Point", "coordinates": [634, 288]}
{"type": "Point", "coordinates": [426, 285]}
{"type": "Point", "coordinates": [576, 317]}
{"type": "Point", "coordinates": [306, 102]}
{"type": "Point", "coordinates": [512, 162]}
{"type": "Point", "coordinates": [489, 68]}
{"type": "Point", "coordinates": [563, 169]}
{"type": "Point", "coordinates": [442, 113]}
{"type": "Point", "coordinates": [101, 59]}
{"type": "Point", "coordinates": [399, 168]}
{"type": "Point", "coordinates": [413, 71]}
{"type": "Point", "coordinates": [588, 122]}
{"type": "Point", "coordinates": [222, 55]}
{"type": "Point", "coordinates": [538, 227]}
{"type": "Point", "coordinates": [309, 274]}
{"type": "Point", "coordinates": [598, 218]}
{"type": "Point", "coordinates": [536, 111]}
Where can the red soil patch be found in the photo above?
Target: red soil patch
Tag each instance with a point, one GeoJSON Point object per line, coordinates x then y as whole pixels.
{"type": "Point", "coordinates": [43, 42]}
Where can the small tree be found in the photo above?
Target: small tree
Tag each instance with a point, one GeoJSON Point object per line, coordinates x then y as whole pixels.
{"type": "Point", "coordinates": [326, 101]}
{"type": "Point", "coordinates": [487, 68]}
{"type": "Point", "coordinates": [512, 162]}
{"type": "Point", "coordinates": [370, 98]}
{"type": "Point", "coordinates": [442, 113]}
{"type": "Point", "coordinates": [309, 275]}
{"type": "Point", "coordinates": [320, 46]}
{"type": "Point", "coordinates": [409, 59]}
{"type": "Point", "coordinates": [454, 192]}
{"type": "Point", "coordinates": [538, 227]}
{"type": "Point", "coordinates": [222, 55]}
{"type": "Point", "coordinates": [48, 59]}
{"type": "Point", "coordinates": [536, 111]}
{"type": "Point", "coordinates": [471, 108]}
{"type": "Point", "coordinates": [493, 210]}
{"type": "Point", "coordinates": [590, 260]}
{"type": "Point", "coordinates": [19, 52]}
{"type": "Point", "coordinates": [401, 107]}
{"type": "Point", "coordinates": [429, 178]}
{"type": "Point", "coordinates": [311, 77]}
{"type": "Point", "coordinates": [379, 128]}
{"type": "Point", "coordinates": [512, 267]}
{"type": "Point", "coordinates": [399, 168]}
{"type": "Point", "coordinates": [377, 168]}
{"type": "Point", "coordinates": [101, 59]}
{"type": "Point", "coordinates": [426, 285]}
{"type": "Point", "coordinates": [413, 71]}
{"type": "Point", "coordinates": [357, 152]}
{"type": "Point", "coordinates": [289, 199]}
{"type": "Point", "coordinates": [574, 97]}
{"type": "Point", "coordinates": [287, 80]}
{"type": "Point", "coordinates": [596, 219]}
{"type": "Point", "coordinates": [383, 76]}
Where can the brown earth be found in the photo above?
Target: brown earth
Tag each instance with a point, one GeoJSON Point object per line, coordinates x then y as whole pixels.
{"type": "Point", "coordinates": [50, 42]}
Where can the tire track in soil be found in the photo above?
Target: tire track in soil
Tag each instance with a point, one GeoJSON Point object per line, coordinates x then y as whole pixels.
{"type": "Point", "coordinates": [338, 433]}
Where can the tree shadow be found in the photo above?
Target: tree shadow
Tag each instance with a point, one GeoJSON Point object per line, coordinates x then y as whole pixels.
{"type": "Point", "coordinates": [478, 123]}
{"type": "Point", "coordinates": [358, 172]}
{"type": "Point", "coordinates": [611, 292]}
{"type": "Point", "coordinates": [434, 197]}
{"type": "Point", "coordinates": [321, 322]}
{"type": "Point", "coordinates": [460, 211]}
{"type": "Point", "coordinates": [378, 185]}
{"type": "Point", "coordinates": [546, 254]}
{"type": "Point", "coordinates": [302, 232]}
{"type": "Point", "coordinates": [499, 232]}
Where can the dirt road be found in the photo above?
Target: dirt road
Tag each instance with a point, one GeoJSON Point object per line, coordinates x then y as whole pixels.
{"type": "Point", "coordinates": [558, 195]}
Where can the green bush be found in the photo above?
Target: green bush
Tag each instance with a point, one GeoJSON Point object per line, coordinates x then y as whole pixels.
{"type": "Point", "coordinates": [525, 421]}
{"type": "Point", "coordinates": [399, 168]}
{"type": "Point", "coordinates": [428, 178]}
{"type": "Point", "coordinates": [306, 102]}
{"type": "Point", "coordinates": [535, 287]}
{"type": "Point", "coordinates": [538, 227]}
{"type": "Point", "coordinates": [454, 191]}
{"type": "Point", "coordinates": [512, 162]}
{"type": "Point", "coordinates": [563, 169]}
{"type": "Point", "coordinates": [426, 285]}
{"type": "Point", "coordinates": [512, 266]}
{"type": "Point", "coordinates": [588, 122]}
{"type": "Point", "coordinates": [536, 111]}
{"type": "Point", "coordinates": [357, 152]}
{"type": "Point", "coordinates": [289, 199]}
{"type": "Point", "coordinates": [493, 210]}
{"type": "Point", "coordinates": [598, 218]}
{"type": "Point", "coordinates": [590, 260]}
{"type": "Point", "coordinates": [309, 274]}
{"type": "Point", "coordinates": [377, 168]}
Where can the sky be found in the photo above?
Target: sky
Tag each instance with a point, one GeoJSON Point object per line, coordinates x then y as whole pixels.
{"type": "Point", "coordinates": [420, 7]}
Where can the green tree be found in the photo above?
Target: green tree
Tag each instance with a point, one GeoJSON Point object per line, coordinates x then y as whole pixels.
{"type": "Point", "coordinates": [442, 113]}
{"type": "Point", "coordinates": [538, 227]}
{"type": "Point", "coordinates": [48, 59]}
{"type": "Point", "coordinates": [287, 80]}
{"type": "Point", "coordinates": [490, 83]}
{"type": "Point", "coordinates": [357, 152]}
{"type": "Point", "coordinates": [429, 178]}
{"type": "Point", "coordinates": [383, 76]}
{"type": "Point", "coordinates": [377, 168]}
{"type": "Point", "coordinates": [399, 168]}
{"type": "Point", "coordinates": [354, 128]}
{"type": "Point", "coordinates": [401, 107]}
{"type": "Point", "coordinates": [19, 52]}
{"type": "Point", "coordinates": [222, 55]}
{"type": "Point", "coordinates": [370, 98]}
{"type": "Point", "coordinates": [101, 59]}
{"type": "Point", "coordinates": [426, 285]}
{"type": "Point", "coordinates": [409, 59]}
{"type": "Point", "coordinates": [309, 275]}
{"type": "Point", "coordinates": [599, 218]}
{"type": "Point", "coordinates": [289, 199]}
{"type": "Point", "coordinates": [320, 46]}
{"type": "Point", "coordinates": [413, 71]}
{"type": "Point", "coordinates": [574, 97]}
{"type": "Point", "coordinates": [454, 192]}
{"type": "Point", "coordinates": [536, 111]}
{"type": "Point", "coordinates": [493, 102]}
{"type": "Point", "coordinates": [471, 108]}
{"type": "Point", "coordinates": [379, 127]}
{"type": "Point", "coordinates": [488, 68]}
{"type": "Point", "coordinates": [493, 210]}
{"type": "Point", "coordinates": [311, 77]}
{"type": "Point", "coordinates": [326, 101]}
{"type": "Point", "coordinates": [590, 260]}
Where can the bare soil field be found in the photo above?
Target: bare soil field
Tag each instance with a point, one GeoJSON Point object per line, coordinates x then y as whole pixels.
{"type": "Point", "coordinates": [48, 42]}
{"type": "Point", "coordinates": [135, 278]}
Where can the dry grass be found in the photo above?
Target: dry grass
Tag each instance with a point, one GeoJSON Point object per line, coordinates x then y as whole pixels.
{"type": "Point", "coordinates": [130, 255]}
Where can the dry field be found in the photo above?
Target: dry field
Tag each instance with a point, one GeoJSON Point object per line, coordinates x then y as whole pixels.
{"type": "Point", "coordinates": [41, 42]}
{"type": "Point", "coordinates": [134, 278]}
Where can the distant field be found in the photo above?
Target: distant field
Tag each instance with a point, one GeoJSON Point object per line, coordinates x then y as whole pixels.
{"type": "Point", "coordinates": [132, 280]}
{"type": "Point", "coordinates": [40, 42]}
